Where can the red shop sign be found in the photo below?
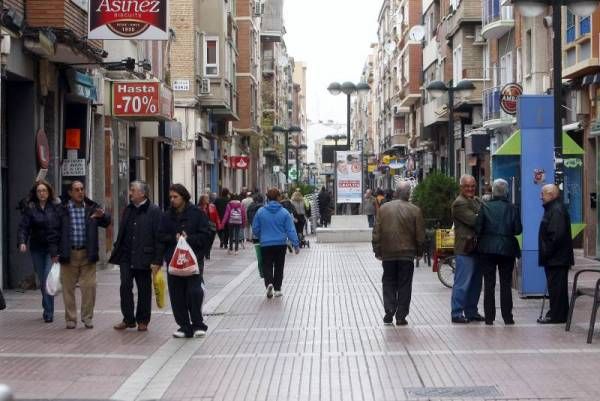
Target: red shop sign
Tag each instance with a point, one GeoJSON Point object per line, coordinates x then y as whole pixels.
{"type": "Point", "coordinates": [508, 97]}
{"type": "Point", "coordinates": [239, 162]}
{"type": "Point", "coordinates": [146, 99]}
{"type": "Point", "coordinates": [128, 19]}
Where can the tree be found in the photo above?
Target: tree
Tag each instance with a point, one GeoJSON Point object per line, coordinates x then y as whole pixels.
{"type": "Point", "coordinates": [434, 195]}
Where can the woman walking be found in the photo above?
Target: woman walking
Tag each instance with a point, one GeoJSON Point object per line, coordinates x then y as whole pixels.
{"type": "Point", "coordinates": [497, 225]}
{"type": "Point", "coordinates": [186, 293]}
{"type": "Point", "coordinates": [235, 219]}
{"type": "Point", "coordinates": [214, 222]}
{"type": "Point", "coordinates": [40, 227]}
{"type": "Point", "coordinates": [300, 213]}
{"type": "Point", "coordinates": [273, 226]}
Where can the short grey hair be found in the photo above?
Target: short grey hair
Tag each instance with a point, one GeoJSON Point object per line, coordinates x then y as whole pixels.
{"type": "Point", "coordinates": [141, 185]}
{"type": "Point", "coordinates": [500, 188]}
{"type": "Point", "coordinates": [403, 191]}
{"type": "Point", "coordinates": [465, 177]}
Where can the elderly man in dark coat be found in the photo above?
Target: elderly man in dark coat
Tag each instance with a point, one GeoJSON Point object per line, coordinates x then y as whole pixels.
{"type": "Point", "coordinates": [555, 253]}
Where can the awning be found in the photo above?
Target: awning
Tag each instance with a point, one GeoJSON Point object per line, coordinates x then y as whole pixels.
{"type": "Point", "coordinates": [512, 146]}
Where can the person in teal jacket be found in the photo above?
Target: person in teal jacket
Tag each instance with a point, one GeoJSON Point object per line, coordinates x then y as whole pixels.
{"type": "Point", "coordinates": [274, 226]}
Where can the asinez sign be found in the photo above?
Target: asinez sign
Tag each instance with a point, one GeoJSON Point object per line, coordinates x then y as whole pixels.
{"type": "Point", "coordinates": [348, 171]}
{"type": "Point", "coordinates": [128, 19]}
{"type": "Point", "coordinates": [508, 97]}
{"type": "Point", "coordinates": [148, 99]}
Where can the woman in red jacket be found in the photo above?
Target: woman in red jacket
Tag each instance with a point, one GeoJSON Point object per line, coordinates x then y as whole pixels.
{"type": "Point", "coordinates": [214, 222]}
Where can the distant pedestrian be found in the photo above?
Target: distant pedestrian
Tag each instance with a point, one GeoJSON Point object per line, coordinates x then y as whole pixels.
{"type": "Point", "coordinates": [273, 226]}
{"type": "Point", "coordinates": [214, 222]}
{"type": "Point", "coordinates": [299, 212]}
{"type": "Point", "coordinates": [186, 293]}
{"type": "Point", "coordinates": [79, 252]}
{"type": "Point", "coordinates": [40, 228]}
{"type": "Point", "coordinates": [555, 253]}
{"type": "Point", "coordinates": [370, 207]}
{"type": "Point", "coordinates": [234, 220]}
{"type": "Point", "coordinates": [379, 197]}
{"type": "Point", "coordinates": [136, 252]}
{"type": "Point", "coordinates": [487, 193]}
{"type": "Point", "coordinates": [467, 277]}
{"type": "Point", "coordinates": [257, 203]}
{"type": "Point", "coordinates": [221, 205]}
{"type": "Point", "coordinates": [497, 225]}
{"type": "Point", "coordinates": [324, 199]}
{"type": "Point", "coordinates": [246, 202]}
{"type": "Point", "coordinates": [398, 238]}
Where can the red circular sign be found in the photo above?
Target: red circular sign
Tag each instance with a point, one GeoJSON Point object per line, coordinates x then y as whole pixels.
{"type": "Point", "coordinates": [508, 98]}
{"type": "Point", "coordinates": [42, 149]}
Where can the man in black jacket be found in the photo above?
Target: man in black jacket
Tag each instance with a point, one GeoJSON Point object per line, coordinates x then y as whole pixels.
{"type": "Point", "coordinates": [136, 251]}
{"type": "Point", "coordinates": [555, 253]}
{"type": "Point", "coordinates": [78, 252]}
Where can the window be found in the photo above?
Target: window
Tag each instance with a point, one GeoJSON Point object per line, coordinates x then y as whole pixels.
{"type": "Point", "coordinates": [584, 25]}
{"type": "Point", "coordinates": [519, 66]}
{"type": "Point", "coordinates": [570, 27]}
{"type": "Point", "coordinates": [405, 69]}
{"type": "Point", "coordinates": [528, 53]}
{"type": "Point", "coordinates": [457, 65]}
{"type": "Point", "coordinates": [211, 63]}
{"type": "Point", "coordinates": [486, 61]}
{"type": "Point", "coordinates": [506, 69]}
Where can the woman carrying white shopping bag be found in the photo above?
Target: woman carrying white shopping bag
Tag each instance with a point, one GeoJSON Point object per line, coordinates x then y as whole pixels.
{"type": "Point", "coordinates": [183, 235]}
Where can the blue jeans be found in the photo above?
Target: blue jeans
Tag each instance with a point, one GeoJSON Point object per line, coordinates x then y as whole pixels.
{"type": "Point", "coordinates": [42, 265]}
{"type": "Point", "coordinates": [371, 219]}
{"type": "Point", "coordinates": [467, 287]}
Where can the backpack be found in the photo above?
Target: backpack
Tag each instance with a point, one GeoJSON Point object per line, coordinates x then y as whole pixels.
{"type": "Point", "coordinates": [235, 216]}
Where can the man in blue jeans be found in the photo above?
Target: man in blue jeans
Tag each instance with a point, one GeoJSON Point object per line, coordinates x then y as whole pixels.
{"type": "Point", "coordinates": [467, 277]}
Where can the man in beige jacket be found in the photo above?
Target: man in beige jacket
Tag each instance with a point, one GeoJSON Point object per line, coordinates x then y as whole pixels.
{"type": "Point", "coordinates": [398, 237]}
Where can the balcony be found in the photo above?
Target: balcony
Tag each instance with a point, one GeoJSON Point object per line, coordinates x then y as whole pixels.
{"type": "Point", "coordinates": [400, 138]}
{"type": "Point", "coordinates": [467, 12]}
{"type": "Point", "coordinates": [430, 53]}
{"type": "Point", "coordinates": [497, 19]}
{"type": "Point", "coordinates": [493, 116]}
{"type": "Point", "coordinates": [268, 65]}
{"type": "Point", "coordinates": [436, 111]}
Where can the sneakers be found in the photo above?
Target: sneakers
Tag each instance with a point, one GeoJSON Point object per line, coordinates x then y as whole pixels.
{"type": "Point", "coordinates": [142, 326]}
{"type": "Point", "coordinates": [199, 333]}
{"type": "Point", "coordinates": [71, 325]}
{"type": "Point", "coordinates": [179, 334]}
{"type": "Point", "coordinates": [278, 294]}
{"type": "Point", "coordinates": [123, 326]}
{"type": "Point", "coordinates": [236, 253]}
{"type": "Point", "coordinates": [388, 319]}
{"type": "Point", "coordinates": [270, 291]}
{"type": "Point", "coordinates": [88, 324]}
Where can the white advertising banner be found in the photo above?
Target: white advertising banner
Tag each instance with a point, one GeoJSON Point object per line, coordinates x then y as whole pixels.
{"type": "Point", "coordinates": [348, 172]}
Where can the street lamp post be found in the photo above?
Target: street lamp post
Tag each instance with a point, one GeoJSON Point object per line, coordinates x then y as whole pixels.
{"type": "Point", "coordinates": [349, 89]}
{"type": "Point", "coordinates": [298, 148]}
{"type": "Point", "coordinates": [534, 8]}
{"type": "Point", "coordinates": [287, 131]}
{"type": "Point", "coordinates": [463, 89]}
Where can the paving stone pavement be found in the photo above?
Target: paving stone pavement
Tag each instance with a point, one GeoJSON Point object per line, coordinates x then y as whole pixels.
{"type": "Point", "coordinates": [324, 340]}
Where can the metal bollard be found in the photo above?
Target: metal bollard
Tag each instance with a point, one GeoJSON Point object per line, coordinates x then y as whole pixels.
{"type": "Point", "coordinates": [5, 393]}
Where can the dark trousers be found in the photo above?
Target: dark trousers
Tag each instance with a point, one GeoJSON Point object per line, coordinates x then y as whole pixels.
{"type": "Point", "coordinates": [143, 281]}
{"type": "Point", "coordinates": [224, 237]}
{"type": "Point", "coordinates": [299, 225]}
{"type": "Point", "coordinates": [211, 241]}
{"type": "Point", "coordinates": [273, 261]}
{"type": "Point", "coordinates": [186, 295]}
{"type": "Point", "coordinates": [371, 220]}
{"type": "Point", "coordinates": [234, 235]}
{"type": "Point", "coordinates": [397, 287]}
{"type": "Point", "coordinates": [557, 278]}
{"type": "Point", "coordinates": [505, 266]}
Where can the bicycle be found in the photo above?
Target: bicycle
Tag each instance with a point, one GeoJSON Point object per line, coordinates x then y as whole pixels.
{"type": "Point", "coordinates": [444, 261]}
{"type": "Point", "coordinates": [445, 270]}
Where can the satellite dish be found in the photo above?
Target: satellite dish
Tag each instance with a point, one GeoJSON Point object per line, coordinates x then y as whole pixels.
{"type": "Point", "coordinates": [417, 33]}
{"type": "Point", "coordinates": [390, 47]}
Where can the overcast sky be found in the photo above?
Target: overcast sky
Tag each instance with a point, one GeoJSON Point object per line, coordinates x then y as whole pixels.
{"type": "Point", "coordinates": [333, 37]}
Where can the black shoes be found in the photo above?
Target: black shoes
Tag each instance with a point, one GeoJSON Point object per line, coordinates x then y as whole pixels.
{"type": "Point", "coordinates": [388, 319]}
{"type": "Point", "coordinates": [476, 318]}
{"type": "Point", "coordinates": [401, 322]}
{"type": "Point", "coordinates": [549, 320]}
{"type": "Point", "coordinates": [489, 322]}
{"type": "Point", "coordinates": [460, 320]}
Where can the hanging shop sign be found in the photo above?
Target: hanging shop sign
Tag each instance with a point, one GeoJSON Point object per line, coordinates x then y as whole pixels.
{"type": "Point", "coordinates": [42, 148]}
{"type": "Point", "coordinates": [239, 162]}
{"type": "Point", "coordinates": [508, 97]}
{"type": "Point", "coordinates": [348, 170]}
{"type": "Point", "coordinates": [128, 19]}
{"type": "Point", "coordinates": [148, 100]}
{"type": "Point", "coordinates": [73, 138]}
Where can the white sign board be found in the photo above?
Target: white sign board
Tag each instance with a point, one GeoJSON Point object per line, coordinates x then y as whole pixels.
{"type": "Point", "coordinates": [181, 85]}
{"type": "Point", "coordinates": [348, 174]}
{"type": "Point", "coordinates": [73, 167]}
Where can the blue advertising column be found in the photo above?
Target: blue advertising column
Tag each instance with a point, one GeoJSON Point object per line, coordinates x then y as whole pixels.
{"type": "Point", "coordinates": [535, 116]}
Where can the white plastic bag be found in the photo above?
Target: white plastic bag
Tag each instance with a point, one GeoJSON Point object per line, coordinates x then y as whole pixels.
{"type": "Point", "coordinates": [53, 285]}
{"type": "Point", "coordinates": [184, 262]}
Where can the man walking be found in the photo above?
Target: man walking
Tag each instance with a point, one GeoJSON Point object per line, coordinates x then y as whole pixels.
{"type": "Point", "coordinates": [246, 202]}
{"type": "Point", "coordinates": [324, 206]}
{"type": "Point", "coordinates": [136, 251]}
{"type": "Point", "coordinates": [555, 253]}
{"type": "Point", "coordinates": [78, 250]}
{"type": "Point", "coordinates": [370, 207]}
{"type": "Point", "coordinates": [398, 237]}
{"type": "Point", "coordinates": [467, 277]}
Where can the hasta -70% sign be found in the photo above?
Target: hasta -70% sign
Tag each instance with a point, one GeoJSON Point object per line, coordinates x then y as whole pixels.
{"type": "Point", "coordinates": [136, 98]}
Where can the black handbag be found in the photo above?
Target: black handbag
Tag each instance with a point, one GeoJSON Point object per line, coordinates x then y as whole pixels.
{"type": "Point", "coordinates": [2, 301]}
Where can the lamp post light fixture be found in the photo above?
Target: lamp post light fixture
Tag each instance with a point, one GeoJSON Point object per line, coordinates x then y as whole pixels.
{"type": "Point", "coordinates": [335, 138]}
{"type": "Point", "coordinates": [298, 148]}
{"type": "Point", "coordinates": [462, 89]}
{"type": "Point", "coordinates": [534, 8]}
{"type": "Point", "coordinates": [287, 131]}
{"type": "Point", "coordinates": [348, 88]}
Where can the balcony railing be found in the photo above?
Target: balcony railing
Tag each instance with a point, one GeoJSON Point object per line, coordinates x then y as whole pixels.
{"type": "Point", "coordinates": [268, 65]}
{"type": "Point", "coordinates": [496, 18]}
{"type": "Point", "coordinates": [493, 116]}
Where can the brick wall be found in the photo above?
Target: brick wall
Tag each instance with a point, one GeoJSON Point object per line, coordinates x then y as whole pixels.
{"type": "Point", "coordinates": [183, 50]}
{"type": "Point", "coordinates": [244, 103]}
{"type": "Point", "coordinates": [416, 68]}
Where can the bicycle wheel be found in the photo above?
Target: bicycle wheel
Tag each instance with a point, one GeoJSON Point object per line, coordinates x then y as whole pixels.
{"type": "Point", "coordinates": [446, 271]}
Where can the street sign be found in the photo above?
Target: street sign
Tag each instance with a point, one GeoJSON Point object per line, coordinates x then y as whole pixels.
{"type": "Point", "coordinates": [73, 167]}
{"type": "Point", "coordinates": [181, 85]}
